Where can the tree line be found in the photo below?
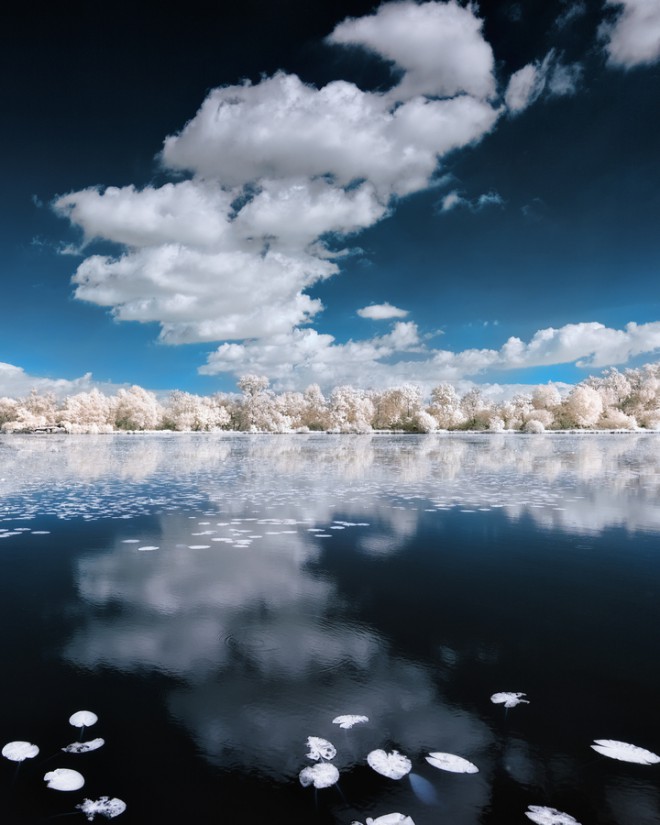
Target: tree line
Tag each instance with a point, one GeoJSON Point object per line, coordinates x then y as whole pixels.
{"type": "Point", "coordinates": [614, 400]}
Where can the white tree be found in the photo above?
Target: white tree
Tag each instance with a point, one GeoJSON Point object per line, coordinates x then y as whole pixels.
{"type": "Point", "coordinates": [446, 407]}
{"type": "Point", "coordinates": [351, 410]}
{"type": "Point", "coordinates": [137, 409]}
{"type": "Point", "coordinates": [583, 407]}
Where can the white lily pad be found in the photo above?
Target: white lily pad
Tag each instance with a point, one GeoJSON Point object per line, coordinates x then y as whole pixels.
{"type": "Point", "coordinates": [104, 806]}
{"type": "Point", "coordinates": [83, 719]}
{"type": "Point", "coordinates": [509, 700]}
{"type": "Point", "coordinates": [19, 751]}
{"type": "Point", "coordinates": [394, 765]}
{"type": "Point", "coordinates": [349, 720]}
{"type": "Point", "coordinates": [64, 779]}
{"type": "Point", "coordinates": [549, 816]}
{"type": "Point", "coordinates": [451, 762]}
{"type": "Point", "coordinates": [625, 752]}
{"type": "Point", "coordinates": [390, 819]}
{"type": "Point", "coordinates": [84, 747]}
{"type": "Point", "coordinates": [322, 775]}
{"type": "Point", "coordinates": [320, 748]}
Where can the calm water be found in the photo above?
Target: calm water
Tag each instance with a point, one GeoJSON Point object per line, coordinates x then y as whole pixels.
{"type": "Point", "coordinates": [295, 578]}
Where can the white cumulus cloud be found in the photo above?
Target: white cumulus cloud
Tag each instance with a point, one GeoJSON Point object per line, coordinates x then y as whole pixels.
{"type": "Point", "coordinates": [275, 173]}
{"type": "Point", "coordinates": [633, 38]}
{"type": "Point", "coordinates": [381, 312]}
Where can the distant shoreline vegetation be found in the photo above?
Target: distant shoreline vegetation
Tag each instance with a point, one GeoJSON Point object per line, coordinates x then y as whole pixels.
{"type": "Point", "coordinates": [628, 400]}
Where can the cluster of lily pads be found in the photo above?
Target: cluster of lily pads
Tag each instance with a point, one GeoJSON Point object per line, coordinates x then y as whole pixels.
{"type": "Point", "coordinates": [66, 779]}
{"type": "Point", "coordinates": [395, 765]}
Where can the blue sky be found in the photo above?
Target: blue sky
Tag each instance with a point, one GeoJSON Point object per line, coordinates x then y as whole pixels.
{"type": "Point", "coordinates": [333, 193]}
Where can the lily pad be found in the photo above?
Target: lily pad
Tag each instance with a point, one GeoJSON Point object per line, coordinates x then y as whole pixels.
{"type": "Point", "coordinates": [83, 719]}
{"type": "Point", "coordinates": [104, 806]}
{"type": "Point", "coordinates": [84, 747]}
{"type": "Point", "coordinates": [349, 720]}
{"type": "Point", "coordinates": [509, 700]}
{"type": "Point", "coordinates": [451, 762]}
{"type": "Point", "coordinates": [394, 765]}
{"type": "Point", "coordinates": [64, 779]}
{"type": "Point", "coordinates": [549, 816]}
{"type": "Point", "coordinates": [320, 748]}
{"type": "Point", "coordinates": [19, 751]}
{"type": "Point", "coordinates": [322, 775]}
{"type": "Point", "coordinates": [625, 752]}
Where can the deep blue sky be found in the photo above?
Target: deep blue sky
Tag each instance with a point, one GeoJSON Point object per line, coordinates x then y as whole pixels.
{"type": "Point", "coordinates": [544, 216]}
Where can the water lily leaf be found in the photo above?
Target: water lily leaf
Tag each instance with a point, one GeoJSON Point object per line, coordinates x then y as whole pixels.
{"type": "Point", "coordinates": [451, 762]}
{"type": "Point", "coordinates": [84, 747]}
{"type": "Point", "coordinates": [625, 752]}
{"type": "Point", "coordinates": [83, 719]}
{"type": "Point", "coordinates": [321, 776]}
{"type": "Point", "coordinates": [390, 819]}
{"type": "Point", "coordinates": [348, 720]}
{"type": "Point", "coordinates": [509, 700]}
{"type": "Point", "coordinates": [320, 748]}
{"type": "Point", "coordinates": [549, 816]}
{"type": "Point", "coordinates": [18, 751]}
{"type": "Point", "coordinates": [64, 779]}
{"type": "Point", "coordinates": [393, 765]}
{"type": "Point", "coordinates": [104, 806]}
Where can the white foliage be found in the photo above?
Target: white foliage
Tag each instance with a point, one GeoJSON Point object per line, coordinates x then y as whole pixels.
{"type": "Point", "coordinates": [19, 751]}
{"type": "Point", "coordinates": [625, 752]}
{"type": "Point", "coordinates": [109, 808]}
{"type": "Point", "coordinates": [348, 720]}
{"type": "Point", "coordinates": [549, 816]}
{"type": "Point", "coordinates": [394, 765]}
{"type": "Point", "coordinates": [451, 762]}
{"type": "Point", "coordinates": [322, 775]}
{"type": "Point", "coordinates": [83, 719]}
{"type": "Point", "coordinates": [64, 779]}
{"type": "Point", "coordinates": [509, 700]}
{"type": "Point", "coordinates": [84, 747]}
{"type": "Point", "coordinates": [320, 748]}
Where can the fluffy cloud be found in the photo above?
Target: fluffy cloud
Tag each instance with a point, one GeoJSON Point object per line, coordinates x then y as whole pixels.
{"type": "Point", "coordinates": [549, 76]}
{"type": "Point", "coordinates": [16, 383]}
{"type": "Point", "coordinates": [438, 46]}
{"type": "Point", "coordinates": [303, 357]}
{"type": "Point", "coordinates": [276, 173]}
{"type": "Point", "coordinates": [633, 38]}
{"type": "Point", "coordinates": [381, 312]}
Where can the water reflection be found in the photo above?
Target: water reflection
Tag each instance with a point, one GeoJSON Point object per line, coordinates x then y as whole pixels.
{"type": "Point", "coordinates": [574, 483]}
{"type": "Point", "coordinates": [296, 578]}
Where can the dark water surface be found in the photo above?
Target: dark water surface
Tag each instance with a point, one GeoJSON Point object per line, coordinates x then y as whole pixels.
{"type": "Point", "coordinates": [297, 578]}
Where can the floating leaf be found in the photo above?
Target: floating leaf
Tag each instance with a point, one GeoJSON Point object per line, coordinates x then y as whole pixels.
{"type": "Point", "coordinates": [104, 806]}
{"type": "Point", "coordinates": [390, 819]}
{"type": "Point", "coordinates": [64, 779]}
{"type": "Point", "coordinates": [83, 719]}
{"type": "Point", "coordinates": [625, 752]}
{"type": "Point", "coordinates": [320, 748]}
{"type": "Point", "coordinates": [321, 776]}
{"type": "Point", "coordinates": [549, 816]}
{"type": "Point", "coordinates": [84, 747]}
{"type": "Point", "coordinates": [348, 721]}
{"type": "Point", "coordinates": [393, 765]}
{"type": "Point", "coordinates": [509, 700]}
{"type": "Point", "coordinates": [18, 751]}
{"type": "Point", "coordinates": [451, 762]}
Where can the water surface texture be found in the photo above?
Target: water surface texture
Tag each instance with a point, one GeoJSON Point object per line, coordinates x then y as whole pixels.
{"type": "Point", "coordinates": [216, 600]}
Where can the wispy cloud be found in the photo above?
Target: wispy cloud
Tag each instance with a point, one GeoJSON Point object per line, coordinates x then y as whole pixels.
{"type": "Point", "coordinates": [548, 77]}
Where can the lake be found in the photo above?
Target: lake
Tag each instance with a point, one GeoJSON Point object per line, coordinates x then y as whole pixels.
{"type": "Point", "coordinates": [217, 599]}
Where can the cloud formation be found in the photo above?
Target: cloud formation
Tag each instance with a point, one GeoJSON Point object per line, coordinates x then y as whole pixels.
{"type": "Point", "coordinates": [16, 383]}
{"type": "Point", "coordinates": [633, 37]}
{"type": "Point", "coordinates": [277, 174]}
{"type": "Point", "coordinates": [401, 356]}
{"type": "Point", "coordinates": [548, 76]}
{"type": "Point", "coordinates": [381, 312]}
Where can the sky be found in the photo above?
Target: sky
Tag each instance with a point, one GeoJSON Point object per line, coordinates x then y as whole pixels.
{"type": "Point", "coordinates": [332, 192]}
